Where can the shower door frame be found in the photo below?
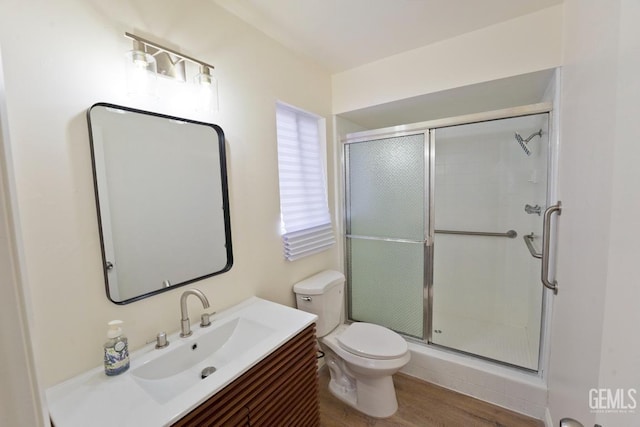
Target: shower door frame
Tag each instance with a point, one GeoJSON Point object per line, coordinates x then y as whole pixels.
{"type": "Point", "coordinates": [428, 128]}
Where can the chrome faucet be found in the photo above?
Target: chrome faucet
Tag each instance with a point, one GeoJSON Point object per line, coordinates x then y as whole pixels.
{"type": "Point", "coordinates": [185, 324]}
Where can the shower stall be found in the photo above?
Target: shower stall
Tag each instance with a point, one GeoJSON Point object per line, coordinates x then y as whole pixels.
{"type": "Point", "coordinates": [444, 225]}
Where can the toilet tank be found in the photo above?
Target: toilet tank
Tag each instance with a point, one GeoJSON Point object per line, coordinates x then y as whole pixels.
{"type": "Point", "coordinates": [322, 295]}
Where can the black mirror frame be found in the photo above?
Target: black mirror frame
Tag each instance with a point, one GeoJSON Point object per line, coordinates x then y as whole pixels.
{"type": "Point", "coordinates": [225, 200]}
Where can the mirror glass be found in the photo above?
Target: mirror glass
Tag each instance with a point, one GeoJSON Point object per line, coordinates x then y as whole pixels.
{"type": "Point", "coordinates": [162, 200]}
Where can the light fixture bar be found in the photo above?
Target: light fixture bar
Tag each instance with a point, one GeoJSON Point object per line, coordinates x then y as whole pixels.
{"type": "Point", "coordinates": [166, 49]}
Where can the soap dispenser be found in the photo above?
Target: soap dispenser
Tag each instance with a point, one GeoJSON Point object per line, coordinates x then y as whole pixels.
{"type": "Point", "coordinates": [116, 350]}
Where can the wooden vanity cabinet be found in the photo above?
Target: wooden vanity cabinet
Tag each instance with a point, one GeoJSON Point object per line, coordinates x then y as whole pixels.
{"type": "Point", "coordinates": [281, 390]}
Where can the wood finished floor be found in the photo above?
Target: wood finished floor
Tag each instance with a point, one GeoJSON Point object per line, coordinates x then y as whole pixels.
{"type": "Point", "coordinates": [420, 404]}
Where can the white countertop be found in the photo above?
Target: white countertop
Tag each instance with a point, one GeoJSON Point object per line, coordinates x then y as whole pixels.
{"type": "Point", "coordinates": [94, 399]}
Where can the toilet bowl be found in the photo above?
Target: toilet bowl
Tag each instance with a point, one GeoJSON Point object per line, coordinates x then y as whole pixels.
{"type": "Point", "coordinates": [362, 357]}
{"type": "Point", "coordinates": [373, 392]}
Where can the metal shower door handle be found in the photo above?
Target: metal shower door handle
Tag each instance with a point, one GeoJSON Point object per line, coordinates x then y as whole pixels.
{"type": "Point", "coordinates": [546, 233]}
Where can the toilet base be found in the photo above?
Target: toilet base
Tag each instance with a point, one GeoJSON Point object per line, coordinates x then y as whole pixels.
{"type": "Point", "coordinates": [375, 397]}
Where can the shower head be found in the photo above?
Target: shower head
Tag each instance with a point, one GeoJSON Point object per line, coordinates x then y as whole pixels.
{"type": "Point", "coordinates": [523, 142]}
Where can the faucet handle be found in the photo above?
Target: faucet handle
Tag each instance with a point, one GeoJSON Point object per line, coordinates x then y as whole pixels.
{"type": "Point", "coordinates": [161, 340]}
{"type": "Point", "coordinates": [205, 319]}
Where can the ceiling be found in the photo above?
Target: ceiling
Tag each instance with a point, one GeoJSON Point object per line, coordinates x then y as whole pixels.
{"type": "Point", "coordinates": [343, 34]}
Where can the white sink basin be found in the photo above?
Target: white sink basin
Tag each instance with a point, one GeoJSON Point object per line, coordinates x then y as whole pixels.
{"type": "Point", "coordinates": [181, 367]}
{"type": "Point", "coordinates": [163, 385]}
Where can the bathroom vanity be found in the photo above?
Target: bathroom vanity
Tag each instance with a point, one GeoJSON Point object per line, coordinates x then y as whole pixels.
{"type": "Point", "coordinates": [280, 390]}
{"type": "Point", "coordinates": [264, 355]}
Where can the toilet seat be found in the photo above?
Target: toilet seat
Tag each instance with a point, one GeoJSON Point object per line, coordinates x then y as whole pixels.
{"type": "Point", "coordinates": [372, 341]}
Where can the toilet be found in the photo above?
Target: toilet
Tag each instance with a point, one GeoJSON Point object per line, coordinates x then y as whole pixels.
{"type": "Point", "coordinates": [362, 357]}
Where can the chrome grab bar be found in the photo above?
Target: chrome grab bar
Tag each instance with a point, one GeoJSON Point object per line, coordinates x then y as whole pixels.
{"type": "Point", "coordinates": [528, 240]}
{"type": "Point", "coordinates": [511, 234]}
{"type": "Point", "coordinates": [546, 232]}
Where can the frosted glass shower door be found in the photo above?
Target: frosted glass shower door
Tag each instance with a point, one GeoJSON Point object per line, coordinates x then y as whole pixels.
{"type": "Point", "coordinates": [386, 231]}
{"type": "Point", "coordinates": [490, 188]}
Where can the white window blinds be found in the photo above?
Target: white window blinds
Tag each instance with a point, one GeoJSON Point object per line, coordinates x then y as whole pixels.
{"type": "Point", "coordinates": [306, 223]}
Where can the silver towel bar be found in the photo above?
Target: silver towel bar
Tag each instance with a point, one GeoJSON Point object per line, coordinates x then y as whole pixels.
{"type": "Point", "coordinates": [511, 234]}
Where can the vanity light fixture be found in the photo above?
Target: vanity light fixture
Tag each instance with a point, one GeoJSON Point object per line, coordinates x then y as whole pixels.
{"type": "Point", "coordinates": [151, 59]}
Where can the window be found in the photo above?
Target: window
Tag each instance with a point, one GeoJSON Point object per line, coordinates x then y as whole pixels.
{"type": "Point", "coordinates": [306, 223]}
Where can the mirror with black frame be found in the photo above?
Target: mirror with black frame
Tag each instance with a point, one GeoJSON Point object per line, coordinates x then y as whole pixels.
{"type": "Point", "coordinates": [161, 198]}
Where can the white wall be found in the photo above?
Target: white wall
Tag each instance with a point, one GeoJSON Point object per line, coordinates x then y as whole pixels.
{"type": "Point", "coordinates": [620, 352]}
{"type": "Point", "coordinates": [594, 343]}
{"type": "Point", "coordinates": [60, 58]}
{"type": "Point", "coordinates": [20, 397]}
{"type": "Point", "coordinates": [587, 123]}
{"type": "Point", "coordinates": [518, 46]}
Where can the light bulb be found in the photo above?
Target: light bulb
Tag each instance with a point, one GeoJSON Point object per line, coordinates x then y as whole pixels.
{"type": "Point", "coordinates": [208, 89]}
{"type": "Point", "coordinates": [139, 59]}
{"type": "Point", "coordinates": [141, 73]}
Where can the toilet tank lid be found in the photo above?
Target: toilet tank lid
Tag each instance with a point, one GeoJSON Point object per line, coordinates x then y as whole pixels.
{"type": "Point", "coordinates": [319, 283]}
